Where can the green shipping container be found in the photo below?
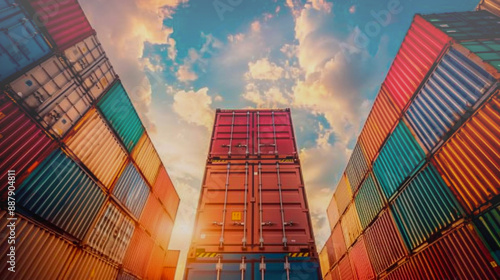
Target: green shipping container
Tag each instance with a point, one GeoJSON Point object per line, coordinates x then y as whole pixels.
{"type": "Point", "coordinates": [424, 207]}
{"type": "Point", "coordinates": [369, 200]}
{"type": "Point", "coordinates": [120, 113]}
{"type": "Point", "coordinates": [398, 159]}
{"type": "Point", "coordinates": [488, 226]}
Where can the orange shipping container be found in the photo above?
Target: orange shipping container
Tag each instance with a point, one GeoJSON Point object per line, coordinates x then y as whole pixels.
{"type": "Point", "coordinates": [89, 266]}
{"type": "Point", "coordinates": [333, 213]}
{"type": "Point", "coordinates": [146, 157]}
{"type": "Point", "coordinates": [170, 264]}
{"type": "Point", "coordinates": [351, 226]}
{"type": "Point", "coordinates": [343, 194]}
{"type": "Point", "coordinates": [155, 267]}
{"type": "Point", "coordinates": [166, 192]}
{"type": "Point", "coordinates": [138, 253]}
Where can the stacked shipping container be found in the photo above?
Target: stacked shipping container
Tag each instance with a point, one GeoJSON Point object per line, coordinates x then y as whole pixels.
{"type": "Point", "coordinates": [92, 199]}
{"type": "Point", "coordinates": [419, 197]}
{"type": "Point", "coordinates": [252, 220]}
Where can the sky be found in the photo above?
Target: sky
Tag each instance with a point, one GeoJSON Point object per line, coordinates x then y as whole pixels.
{"type": "Point", "coordinates": [179, 60]}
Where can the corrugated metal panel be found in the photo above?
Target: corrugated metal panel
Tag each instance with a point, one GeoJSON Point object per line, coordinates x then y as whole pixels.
{"type": "Point", "coordinates": [51, 93]}
{"type": "Point", "coordinates": [332, 213]}
{"type": "Point", "coordinates": [138, 253]}
{"type": "Point", "coordinates": [343, 194]}
{"type": "Point", "coordinates": [64, 21]}
{"type": "Point", "coordinates": [147, 158]}
{"type": "Point", "coordinates": [458, 255]}
{"type": "Point", "coordinates": [324, 262]}
{"type": "Point", "coordinates": [69, 199]}
{"type": "Point", "coordinates": [172, 258]}
{"type": "Point", "coordinates": [492, 6]}
{"type": "Point", "coordinates": [155, 267]}
{"type": "Point", "coordinates": [360, 260]}
{"type": "Point", "coordinates": [112, 233]}
{"type": "Point", "coordinates": [20, 41]}
{"type": "Point", "coordinates": [132, 190]}
{"type": "Point", "coordinates": [126, 276]}
{"type": "Point", "coordinates": [488, 226]}
{"type": "Point", "coordinates": [156, 220]}
{"type": "Point", "coordinates": [424, 207]}
{"type": "Point", "coordinates": [330, 251]}
{"type": "Point", "coordinates": [232, 126]}
{"type": "Point", "coordinates": [350, 225]}
{"type": "Point", "coordinates": [384, 243]}
{"type": "Point", "coordinates": [453, 88]}
{"type": "Point", "coordinates": [406, 271]}
{"type": "Point", "coordinates": [166, 192]}
{"type": "Point", "coordinates": [345, 269]}
{"type": "Point", "coordinates": [274, 133]}
{"type": "Point", "coordinates": [469, 161]}
{"type": "Point", "coordinates": [357, 167]}
{"type": "Point", "coordinates": [335, 274]}
{"type": "Point", "coordinates": [487, 51]}
{"type": "Point", "coordinates": [369, 201]}
{"type": "Point", "coordinates": [338, 241]}
{"type": "Point", "coordinates": [96, 146]}
{"type": "Point", "coordinates": [36, 249]}
{"type": "Point", "coordinates": [119, 111]}
{"type": "Point", "coordinates": [165, 227]}
{"type": "Point", "coordinates": [418, 52]}
{"type": "Point", "coordinates": [398, 159]}
{"type": "Point", "coordinates": [380, 121]}
{"type": "Point", "coordinates": [22, 143]}
{"type": "Point", "coordinates": [89, 266]}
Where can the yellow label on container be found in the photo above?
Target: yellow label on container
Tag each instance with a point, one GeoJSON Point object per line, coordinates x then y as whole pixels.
{"type": "Point", "coordinates": [286, 160]}
{"type": "Point", "coordinates": [236, 216]}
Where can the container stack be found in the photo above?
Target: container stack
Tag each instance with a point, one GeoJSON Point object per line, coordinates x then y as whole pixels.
{"type": "Point", "coordinates": [252, 220]}
{"type": "Point", "coordinates": [92, 198]}
{"type": "Point", "coordinates": [419, 198]}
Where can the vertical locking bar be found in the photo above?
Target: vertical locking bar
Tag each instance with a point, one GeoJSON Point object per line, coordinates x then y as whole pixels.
{"type": "Point", "coordinates": [262, 267]}
{"type": "Point", "coordinates": [258, 133]}
{"type": "Point", "coordinates": [244, 240]}
{"type": "Point", "coordinates": [218, 267]}
{"type": "Point", "coordinates": [248, 131]}
{"type": "Point", "coordinates": [287, 268]}
{"type": "Point", "coordinates": [261, 239]}
{"type": "Point", "coordinates": [274, 135]}
{"type": "Point", "coordinates": [282, 210]}
{"type": "Point", "coordinates": [224, 211]}
{"type": "Point", "coordinates": [231, 136]}
{"type": "Point", "coordinates": [243, 268]}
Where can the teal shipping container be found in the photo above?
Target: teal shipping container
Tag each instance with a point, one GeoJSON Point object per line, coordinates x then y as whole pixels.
{"type": "Point", "coordinates": [21, 43]}
{"type": "Point", "coordinates": [132, 190]}
{"type": "Point", "coordinates": [59, 191]}
{"type": "Point", "coordinates": [398, 159]}
{"type": "Point", "coordinates": [116, 106]}
{"type": "Point", "coordinates": [488, 226]}
{"type": "Point", "coordinates": [369, 201]}
{"type": "Point", "coordinates": [424, 207]}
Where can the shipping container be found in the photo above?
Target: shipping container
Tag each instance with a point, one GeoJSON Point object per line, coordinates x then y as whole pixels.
{"type": "Point", "coordinates": [330, 251]}
{"type": "Point", "coordinates": [123, 275]}
{"type": "Point", "coordinates": [226, 219]}
{"type": "Point", "coordinates": [170, 264]}
{"type": "Point", "coordinates": [166, 192]}
{"type": "Point", "coordinates": [398, 159]}
{"type": "Point", "coordinates": [332, 213]}
{"type": "Point", "coordinates": [469, 160]}
{"type": "Point", "coordinates": [384, 243]}
{"type": "Point", "coordinates": [335, 274]}
{"type": "Point", "coordinates": [338, 240]}
{"type": "Point", "coordinates": [486, 51]}
{"type": "Point", "coordinates": [420, 49]}
{"type": "Point", "coordinates": [131, 190]}
{"type": "Point", "coordinates": [112, 233]}
{"type": "Point", "coordinates": [69, 199]}
{"type": "Point", "coordinates": [94, 144]}
{"type": "Point", "coordinates": [261, 133]}
{"type": "Point", "coordinates": [21, 41]}
{"type": "Point", "coordinates": [488, 227]}
{"type": "Point", "coordinates": [156, 221]}
{"type": "Point", "coordinates": [346, 271]}
{"type": "Point", "coordinates": [356, 167]}
{"type": "Point", "coordinates": [147, 159]}
{"type": "Point", "coordinates": [351, 226]}
{"type": "Point", "coordinates": [360, 261]}
{"type": "Point", "coordinates": [118, 110]}
{"type": "Point", "coordinates": [155, 266]}
{"type": "Point", "coordinates": [23, 143]}
{"type": "Point", "coordinates": [452, 90]}
{"type": "Point", "coordinates": [492, 6]}
{"type": "Point", "coordinates": [39, 254]}
{"type": "Point", "coordinates": [138, 253]}
{"type": "Point", "coordinates": [86, 265]}
{"type": "Point", "coordinates": [324, 263]}
{"type": "Point", "coordinates": [165, 227]}
{"type": "Point", "coordinates": [52, 94]}
{"type": "Point", "coordinates": [64, 21]}
{"type": "Point", "coordinates": [381, 120]}
{"type": "Point", "coordinates": [369, 200]}
{"type": "Point", "coordinates": [343, 194]}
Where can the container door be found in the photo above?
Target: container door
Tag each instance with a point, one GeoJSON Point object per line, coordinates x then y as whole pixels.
{"type": "Point", "coordinates": [273, 134]}
{"type": "Point", "coordinates": [99, 77]}
{"type": "Point", "coordinates": [280, 212]}
{"type": "Point", "coordinates": [232, 134]}
{"type": "Point", "coordinates": [224, 211]}
{"type": "Point", "coordinates": [84, 54]}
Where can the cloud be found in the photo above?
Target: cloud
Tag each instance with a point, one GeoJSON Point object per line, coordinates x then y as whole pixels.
{"type": "Point", "coordinates": [270, 98]}
{"type": "Point", "coordinates": [262, 69]}
{"type": "Point", "coordinates": [194, 107]}
{"type": "Point", "coordinates": [185, 74]}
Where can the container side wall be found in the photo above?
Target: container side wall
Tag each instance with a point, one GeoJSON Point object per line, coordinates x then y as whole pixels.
{"type": "Point", "coordinates": [147, 159]}
{"type": "Point", "coordinates": [131, 190]}
{"type": "Point", "coordinates": [138, 253]}
{"type": "Point", "coordinates": [343, 194]}
{"type": "Point", "coordinates": [351, 226]}
{"type": "Point", "coordinates": [369, 200]}
{"type": "Point", "coordinates": [332, 213]}
{"type": "Point", "coordinates": [166, 192]}
{"type": "Point", "coordinates": [357, 167]}
{"type": "Point", "coordinates": [360, 260]}
{"type": "Point", "coordinates": [488, 226]}
{"type": "Point", "coordinates": [87, 266]}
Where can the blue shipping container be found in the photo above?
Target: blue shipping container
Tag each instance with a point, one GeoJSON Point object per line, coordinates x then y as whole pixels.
{"type": "Point", "coordinates": [357, 167]}
{"type": "Point", "coordinates": [21, 43]}
{"type": "Point", "coordinates": [119, 111]}
{"type": "Point", "coordinates": [453, 89]}
{"type": "Point", "coordinates": [59, 191]}
{"type": "Point", "coordinates": [132, 190]}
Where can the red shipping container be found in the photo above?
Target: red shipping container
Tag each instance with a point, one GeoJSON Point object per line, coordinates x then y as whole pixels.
{"type": "Point", "coordinates": [419, 51]}
{"type": "Point", "coordinates": [138, 253]}
{"type": "Point", "coordinates": [166, 192]}
{"type": "Point", "coordinates": [330, 250]}
{"type": "Point", "coordinates": [360, 260]}
{"type": "Point", "coordinates": [64, 21]}
{"type": "Point", "coordinates": [22, 142]}
{"type": "Point", "coordinates": [384, 243]}
{"type": "Point", "coordinates": [151, 215]}
{"type": "Point", "coordinates": [338, 241]}
{"type": "Point", "coordinates": [345, 269]}
{"type": "Point", "coordinates": [334, 274]}
{"type": "Point", "coordinates": [243, 133]}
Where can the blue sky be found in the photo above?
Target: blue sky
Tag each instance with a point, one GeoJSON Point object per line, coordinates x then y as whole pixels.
{"type": "Point", "coordinates": [180, 59]}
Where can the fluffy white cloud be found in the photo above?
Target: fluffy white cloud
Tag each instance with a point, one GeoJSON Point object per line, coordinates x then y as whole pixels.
{"type": "Point", "coordinates": [265, 98]}
{"type": "Point", "coordinates": [263, 69]}
{"type": "Point", "coordinates": [185, 74]}
{"type": "Point", "coordinates": [194, 107]}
